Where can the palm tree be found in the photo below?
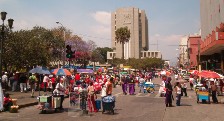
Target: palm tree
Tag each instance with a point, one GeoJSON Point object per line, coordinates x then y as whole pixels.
{"type": "Point", "coordinates": [122, 36]}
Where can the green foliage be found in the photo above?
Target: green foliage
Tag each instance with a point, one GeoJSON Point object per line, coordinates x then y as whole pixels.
{"type": "Point", "coordinates": [27, 48]}
{"type": "Point", "coordinates": [122, 35]}
{"type": "Point", "coordinates": [101, 53]}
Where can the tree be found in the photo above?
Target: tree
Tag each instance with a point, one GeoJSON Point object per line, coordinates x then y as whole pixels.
{"type": "Point", "coordinates": [122, 36]}
{"type": "Point", "coordinates": [103, 53]}
{"type": "Point", "coordinates": [28, 48]}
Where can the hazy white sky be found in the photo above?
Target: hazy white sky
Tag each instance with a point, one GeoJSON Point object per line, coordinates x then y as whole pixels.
{"type": "Point", "coordinates": [169, 20]}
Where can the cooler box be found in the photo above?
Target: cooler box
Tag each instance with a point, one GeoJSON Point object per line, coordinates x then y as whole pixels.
{"type": "Point", "coordinates": [98, 104]}
{"type": "Point", "coordinates": [108, 99]}
{"type": "Point", "coordinates": [45, 99]}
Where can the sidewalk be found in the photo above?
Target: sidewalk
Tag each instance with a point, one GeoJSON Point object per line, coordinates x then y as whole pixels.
{"type": "Point", "coordinates": [25, 99]}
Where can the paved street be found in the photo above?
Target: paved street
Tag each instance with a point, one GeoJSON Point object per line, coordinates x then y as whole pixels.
{"type": "Point", "coordinates": [139, 107]}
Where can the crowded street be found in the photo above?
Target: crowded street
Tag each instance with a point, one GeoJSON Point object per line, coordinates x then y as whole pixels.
{"type": "Point", "coordinates": [115, 60]}
{"type": "Point", "coordinates": [138, 107]}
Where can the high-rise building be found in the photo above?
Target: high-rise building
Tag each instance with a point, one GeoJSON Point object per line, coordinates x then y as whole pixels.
{"type": "Point", "coordinates": [137, 22]}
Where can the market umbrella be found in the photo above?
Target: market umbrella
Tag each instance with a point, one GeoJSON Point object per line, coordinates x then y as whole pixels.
{"type": "Point", "coordinates": [194, 72]}
{"type": "Point", "coordinates": [40, 70]}
{"type": "Point", "coordinates": [61, 72]}
{"type": "Point", "coordinates": [208, 74]}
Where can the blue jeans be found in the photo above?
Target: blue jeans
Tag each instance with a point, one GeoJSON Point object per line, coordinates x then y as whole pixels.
{"type": "Point", "coordinates": [141, 88]}
{"type": "Point", "coordinates": [178, 97]}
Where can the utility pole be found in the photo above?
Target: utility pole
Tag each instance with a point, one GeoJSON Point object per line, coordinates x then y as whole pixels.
{"type": "Point", "coordinates": [199, 57]}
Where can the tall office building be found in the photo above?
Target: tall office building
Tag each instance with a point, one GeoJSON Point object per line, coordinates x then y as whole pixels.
{"type": "Point", "coordinates": [137, 22]}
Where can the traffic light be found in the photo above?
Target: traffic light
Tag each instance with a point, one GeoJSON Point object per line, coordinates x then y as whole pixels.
{"type": "Point", "coordinates": [68, 51]}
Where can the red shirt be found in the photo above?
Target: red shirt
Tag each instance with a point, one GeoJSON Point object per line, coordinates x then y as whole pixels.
{"type": "Point", "coordinates": [53, 79]}
{"type": "Point", "coordinates": [87, 80]}
{"type": "Point", "coordinates": [6, 100]}
{"type": "Point", "coordinates": [77, 77]}
{"type": "Point", "coordinates": [72, 81]}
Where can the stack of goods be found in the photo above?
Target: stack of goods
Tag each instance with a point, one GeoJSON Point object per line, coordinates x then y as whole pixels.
{"type": "Point", "coordinates": [14, 108]}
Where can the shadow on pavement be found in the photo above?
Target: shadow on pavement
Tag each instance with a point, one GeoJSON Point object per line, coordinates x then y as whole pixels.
{"type": "Point", "coordinates": [185, 105]}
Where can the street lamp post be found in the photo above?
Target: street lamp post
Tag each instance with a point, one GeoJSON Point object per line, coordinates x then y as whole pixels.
{"type": "Point", "coordinates": [10, 23]}
{"type": "Point", "coordinates": [63, 52]}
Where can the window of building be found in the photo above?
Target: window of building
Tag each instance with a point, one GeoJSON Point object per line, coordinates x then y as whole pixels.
{"type": "Point", "coordinates": [144, 54]}
{"type": "Point", "coordinates": [111, 55]}
{"type": "Point", "coordinates": [141, 54]}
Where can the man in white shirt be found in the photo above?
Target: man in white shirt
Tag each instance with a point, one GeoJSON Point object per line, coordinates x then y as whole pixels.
{"type": "Point", "coordinates": [141, 84]}
{"type": "Point", "coordinates": [45, 81]}
{"type": "Point", "coordinates": [60, 89]}
{"type": "Point", "coordinates": [5, 81]}
{"type": "Point", "coordinates": [184, 87]}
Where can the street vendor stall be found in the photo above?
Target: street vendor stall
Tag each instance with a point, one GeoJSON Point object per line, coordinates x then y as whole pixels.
{"type": "Point", "coordinates": [48, 103]}
{"type": "Point", "coordinates": [203, 95]}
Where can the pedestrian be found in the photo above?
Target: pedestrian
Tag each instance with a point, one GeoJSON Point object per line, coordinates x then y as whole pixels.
{"type": "Point", "coordinates": [191, 79]}
{"type": "Point", "coordinates": [168, 94]}
{"type": "Point", "coordinates": [60, 90]}
{"type": "Point", "coordinates": [131, 85]}
{"type": "Point", "coordinates": [178, 93]}
{"type": "Point", "coordinates": [124, 84]}
{"type": "Point", "coordinates": [109, 87]}
{"type": "Point", "coordinates": [214, 90]}
{"type": "Point", "coordinates": [5, 81]}
{"type": "Point", "coordinates": [22, 80]}
{"type": "Point", "coordinates": [141, 84]}
{"type": "Point", "coordinates": [15, 81]}
{"type": "Point", "coordinates": [91, 97]}
{"type": "Point", "coordinates": [11, 79]}
{"type": "Point", "coordinates": [45, 81]}
{"type": "Point", "coordinates": [32, 82]}
{"type": "Point", "coordinates": [184, 88]}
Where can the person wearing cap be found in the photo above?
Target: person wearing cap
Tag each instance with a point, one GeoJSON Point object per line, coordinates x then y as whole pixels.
{"type": "Point", "coordinates": [32, 81]}
{"type": "Point", "coordinates": [5, 81]}
{"type": "Point", "coordinates": [15, 81]}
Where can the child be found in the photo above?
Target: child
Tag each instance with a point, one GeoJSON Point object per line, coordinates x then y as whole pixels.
{"type": "Point", "coordinates": [7, 102]}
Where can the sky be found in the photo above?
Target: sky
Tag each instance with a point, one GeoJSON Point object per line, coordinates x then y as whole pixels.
{"type": "Point", "coordinates": [169, 20]}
